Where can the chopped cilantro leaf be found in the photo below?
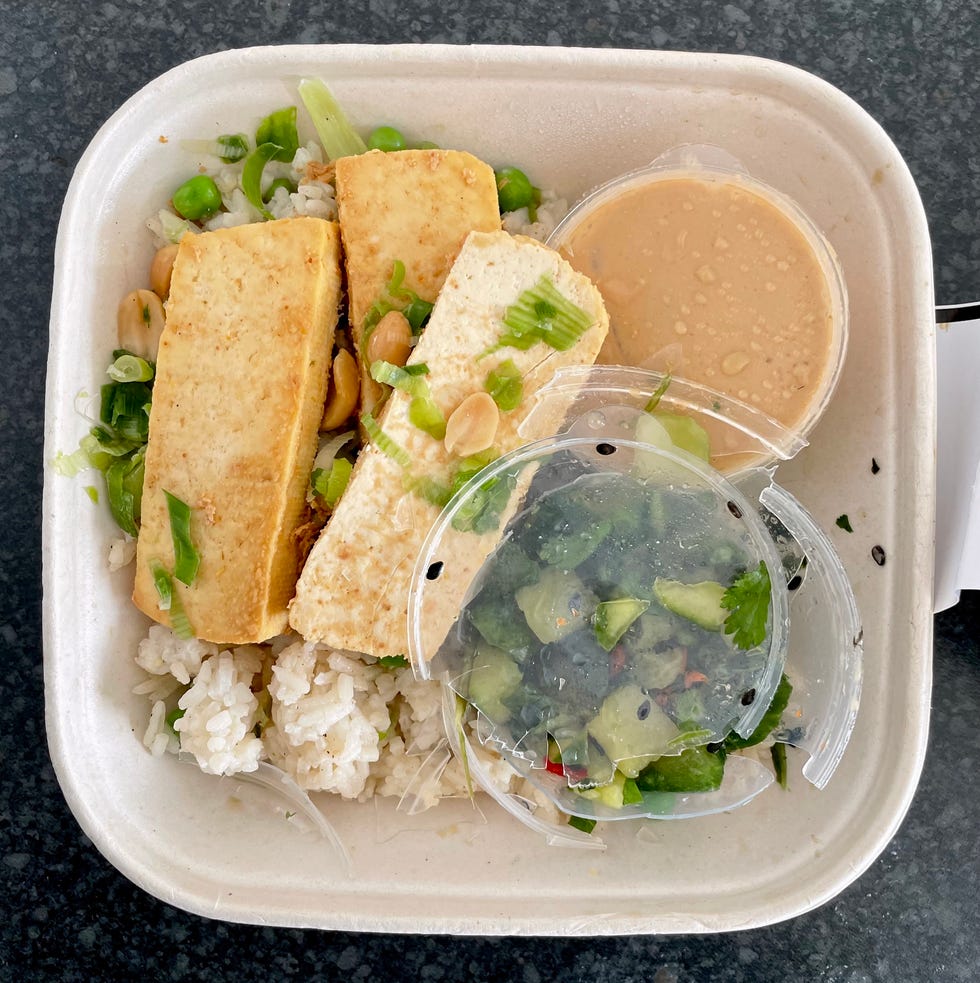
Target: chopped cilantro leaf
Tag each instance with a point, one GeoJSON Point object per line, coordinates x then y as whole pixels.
{"type": "Point", "coordinates": [748, 600]}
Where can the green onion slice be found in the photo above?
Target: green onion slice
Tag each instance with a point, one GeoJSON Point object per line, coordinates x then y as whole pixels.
{"type": "Point", "coordinates": [337, 136]}
{"type": "Point", "coordinates": [170, 601]}
{"type": "Point", "coordinates": [232, 147]}
{"type": "Point", "coordinates": [384, 443]}
{"type": "Point", "coordinates": [543, 313]}
{"type": "Point", "coordinates": [252, 175]}
{"type": "Point", "coordinates": [186, 558]}
{"type": "Point", "coordinates": [505, 385]}
{"type": "Point", "coordinates": [130, 368]}
{"type": "Point", "coordinates": [654, 401]}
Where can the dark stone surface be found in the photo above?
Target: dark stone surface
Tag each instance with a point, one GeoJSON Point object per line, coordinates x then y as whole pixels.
{"type": "Point", "coordinates": [64, 67]}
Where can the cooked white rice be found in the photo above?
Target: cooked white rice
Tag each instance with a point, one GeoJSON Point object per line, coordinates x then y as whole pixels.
{"type": "Point", "coordinates": [333, 721]}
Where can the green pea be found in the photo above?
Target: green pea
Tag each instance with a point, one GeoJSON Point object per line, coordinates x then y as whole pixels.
{"type": "Point", "coordinates": [386, 138]}
{"type": "Point", "coordinates": [197, 199]}
{"type": "Point", "coordinates": [280, 182]}
{"type": "Point", "coordinates": [514, 190]}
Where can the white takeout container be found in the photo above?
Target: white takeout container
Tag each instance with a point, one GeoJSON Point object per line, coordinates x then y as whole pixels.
{"type": "Point", "coordinates": [573, 119]}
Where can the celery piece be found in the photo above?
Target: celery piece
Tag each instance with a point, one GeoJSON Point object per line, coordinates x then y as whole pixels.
{"type": "Point", "coordinates": [337, 136]}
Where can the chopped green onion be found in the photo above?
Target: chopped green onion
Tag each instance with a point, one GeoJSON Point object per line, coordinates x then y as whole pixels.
{"type": "Point", "coordinates": [232, 147]}
{"type": "Point", "coordinates": [393, 662]}
{"type": "Point", "coordinates": [505, 386]}
{"type": "Point", "coordinates": [124, 487]}
{"type": "Point", "coordinates": [384, 443]}
{"type": "Point", "coordinates": [417, 313]}
{"type": "Point", "coordinates": [481, 512]}
{"type": "Point", "coordinates": [130, 368]}
{"type": "Point", "coordinates": [331, 483]}
{"type": "Point", "coordinates": [543, 313]}
{"type": "Point", "coordinates": [186, 558]}
{"type": "Point", "coordinates": [163, 584]}
{"type": "Point", "coordinates": [429, 490]}
{"type": "Point", "coordinates": [93, 493]}
{"type": "Point", "coordinates": [170, 601]}
{"type": "Point", "coordinates": [458, 720]}
{"type": "Point", "coordinates": [397, 377]}
{"type": "Point", "coordinates": [280, 128]}
{"type": "Point", "coordinates": [424, 413]}
{"type": "Point", "coordinates": [252, 175]}
{"type": "Point", "coordinates": [654, 401]}
{"type": "Point", "coordinates": [470, 467]}
{"type": "Point", "coordinates": [585, 825]}
{"type": "Point", "coordinates": [337, 136]}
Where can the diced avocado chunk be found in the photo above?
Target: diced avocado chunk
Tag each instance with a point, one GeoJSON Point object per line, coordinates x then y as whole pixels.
{"type": "Point", "coordinates": [613, 618]}
{"type": "Point", "coordinates": [631, 729]}
{"type": "Point", "coordinates": [694, 770]}
{"type": "Point", "coordinates": [700, 603]}
{"type": "Point", "coordinates": [558, 604]}
{"type": "Point", "coordinates": [494, 677]}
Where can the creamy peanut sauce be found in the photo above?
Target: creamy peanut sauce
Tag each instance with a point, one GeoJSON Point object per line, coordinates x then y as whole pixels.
{"type": "Point", "coordinates": [713, 282]}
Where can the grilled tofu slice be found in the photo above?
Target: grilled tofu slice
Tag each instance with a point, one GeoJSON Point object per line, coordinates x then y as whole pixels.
{"type": "Point", "coordinates": [353, 591]}
{"type": "Point", "coordinates": [241, 379]}
{"type": "Point", "coordinates": [416, 206]}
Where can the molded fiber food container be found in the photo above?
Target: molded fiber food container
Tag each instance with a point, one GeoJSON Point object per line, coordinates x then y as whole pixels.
{"type": "Point", "coordinates": [573, 119]}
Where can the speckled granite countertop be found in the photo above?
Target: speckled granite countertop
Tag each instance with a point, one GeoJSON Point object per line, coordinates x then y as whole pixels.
{"type": "Point", "coordinates": [63, 69]}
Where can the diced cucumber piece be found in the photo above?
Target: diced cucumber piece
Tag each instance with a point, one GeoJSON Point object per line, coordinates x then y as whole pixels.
{"type": "Point", "coordinates": [612, 618]}
{"type": "Point", "coordinates": [700, 603]}
{"type": "Point", "coordinates": [694, 770]}
{"type": "Point", "coordinates": [494, 677]}
{"type": "Point", "coordinates": [558, 604]}
{"type": "Point", "coordinates": [631, 729]}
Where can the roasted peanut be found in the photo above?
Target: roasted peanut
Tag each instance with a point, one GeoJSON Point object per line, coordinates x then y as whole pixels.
{"type": "Point", "coordinates": [391, 340]}
{"type": "Point", "coordinates": [472, 426]}
{"type": "Point", "coordinates": [139, 323]}
{"type": "Point", "coordinates": [343, 391]}
{"type": "Point", "coordinates": [161, 269]}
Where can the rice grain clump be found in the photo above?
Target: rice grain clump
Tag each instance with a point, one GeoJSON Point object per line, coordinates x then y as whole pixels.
{"type": "Point", "coordinates": [547, 216]}
{"type": "Point", "coordinates": [221, 712]}
{"type": "Point", "coordinates": [328, 714]}
{"type": "Point", "coordinates": [314, 196]}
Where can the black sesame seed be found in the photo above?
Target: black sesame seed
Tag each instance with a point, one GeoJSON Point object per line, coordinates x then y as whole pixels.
{"type": "Point", "coordinates": [643, 710]}
{"type": "Point", "coordinates": [434, 571]}
{"type": "Point", "coordinates": [714, 747]}
{"type": "Point", "coordinates": [874, 466]}
{"type": "Point", "coordinates": [735, 510]}
{"type": "Point", "coordinates": [795, 583]}
{"type": "Point", "coordinates": [878, 555]}
{"type": "Point", "coordinates": [748, 697]}
{"type": "Point", "coordinates": [605, 449]}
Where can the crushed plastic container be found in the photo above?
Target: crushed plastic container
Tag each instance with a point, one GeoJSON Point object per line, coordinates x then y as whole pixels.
{"type": "Point", "coordinates": [622, 643]}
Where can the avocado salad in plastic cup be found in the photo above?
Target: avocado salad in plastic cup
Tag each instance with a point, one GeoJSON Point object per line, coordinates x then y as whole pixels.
{"type": "Point", "coordinates": [624, 645]}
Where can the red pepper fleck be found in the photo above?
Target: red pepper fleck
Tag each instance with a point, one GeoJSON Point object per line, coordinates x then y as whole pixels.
{"type": "Point", "coordinates": [693, 676]}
